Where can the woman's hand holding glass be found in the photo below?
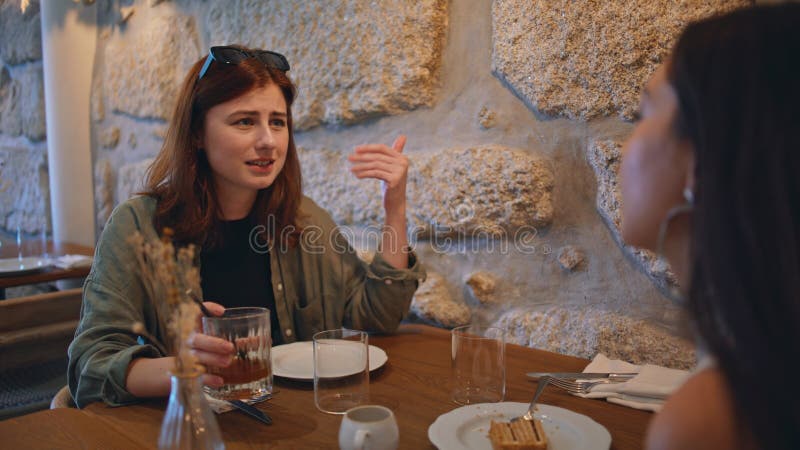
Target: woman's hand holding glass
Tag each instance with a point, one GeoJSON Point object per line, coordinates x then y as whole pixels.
{"type": "Point", "coordinates": [210, 350]}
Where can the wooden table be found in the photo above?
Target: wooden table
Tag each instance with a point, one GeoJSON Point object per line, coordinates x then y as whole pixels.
{"type": "Point", "coordinates": [415, 384]}
{"type": "Point", "coordinates": [46, 274]}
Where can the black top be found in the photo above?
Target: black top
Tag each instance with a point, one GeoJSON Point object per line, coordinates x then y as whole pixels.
{"type": "Point", "coordinates": [233, 274]}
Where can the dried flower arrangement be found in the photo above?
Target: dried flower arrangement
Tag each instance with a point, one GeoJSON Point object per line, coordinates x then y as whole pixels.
{"type": "Point", "coordinates": [169, 273]}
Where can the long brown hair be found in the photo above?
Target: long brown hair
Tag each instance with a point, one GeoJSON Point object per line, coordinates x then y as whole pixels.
{"type": "Point", "coordinates": [180, 178]}
{"type": "Point", "coordinates": [736, 81]}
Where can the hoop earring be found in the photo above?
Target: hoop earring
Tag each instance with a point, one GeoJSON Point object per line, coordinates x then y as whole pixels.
{"type": "Point", "coordinates": [673, 293]}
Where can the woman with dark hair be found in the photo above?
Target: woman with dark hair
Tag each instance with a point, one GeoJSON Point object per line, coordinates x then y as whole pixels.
{"type": "Point", "coordinates": [228, 180]}
{"type": "Point", "coordinates": [711, 180]}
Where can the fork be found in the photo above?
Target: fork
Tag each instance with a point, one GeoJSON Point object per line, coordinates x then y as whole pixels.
{"type": "Point", "coordinates": [579, 387]}
{"type": "Point", "coordinates": [529, 413]}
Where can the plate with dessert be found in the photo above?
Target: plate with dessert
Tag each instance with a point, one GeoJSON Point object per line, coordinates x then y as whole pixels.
{"type": "Point", "coordinates": [487, 426]}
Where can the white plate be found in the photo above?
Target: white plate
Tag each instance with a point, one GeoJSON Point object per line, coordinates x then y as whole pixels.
{"type": "Point", "coordinates": [17, 266]}
{"type": "Point", "coordinates": [296, 360]}
{"type": "Point", "coordinates": [467, 428]}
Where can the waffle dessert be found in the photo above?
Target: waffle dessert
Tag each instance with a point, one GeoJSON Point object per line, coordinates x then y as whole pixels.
{"type": "Point", "coordinates": [518, 435]}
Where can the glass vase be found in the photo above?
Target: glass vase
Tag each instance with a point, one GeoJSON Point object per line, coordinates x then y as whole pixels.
{"type": "Point", "coordinates": [189, 422]}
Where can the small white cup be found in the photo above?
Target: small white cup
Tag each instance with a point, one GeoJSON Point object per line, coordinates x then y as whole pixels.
{"type": "Point", "coordinates": [369, 427]}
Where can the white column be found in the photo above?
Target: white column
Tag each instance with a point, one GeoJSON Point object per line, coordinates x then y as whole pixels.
{"type": "Point", "coordinates": [69, 35]}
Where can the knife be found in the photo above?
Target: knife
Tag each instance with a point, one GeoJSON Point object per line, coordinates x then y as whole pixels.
{"type": "Point", "coordinates": [251, 411]}
{"type": "Point", "coordinates": [583, 376]}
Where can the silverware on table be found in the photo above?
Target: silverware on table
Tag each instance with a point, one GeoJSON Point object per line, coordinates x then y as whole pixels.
{"type": "Point", "coordinates": [251, 411]}
{"type": "Point", "coordinates": [529, 413]}
{"type": "Point", "coordinates": [622, 376]}
{"type": "Point", "coordinates": [581, 387]}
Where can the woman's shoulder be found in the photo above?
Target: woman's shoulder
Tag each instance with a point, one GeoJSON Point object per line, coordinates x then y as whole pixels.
{"type": "Point", "coordinates": [699, 415]}
{"type": "Point", "coordinates": [140, 204]}
{"type": "Point", "coordinates": [134, 214]}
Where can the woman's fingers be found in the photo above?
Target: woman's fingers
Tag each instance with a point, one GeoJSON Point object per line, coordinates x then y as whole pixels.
{"type": "Point", "coordinates": [208, 343]}
{"type": "Point", "coordinates": [375, 148]}
{"type": "Point", "coordinates": [384, 163]}
{"type": "Point", "coordinates": [211, 350]}
{"type": "Point", "coordinates": [214, 308]}
{"type": "Point", "coordinates": [373, 156]}
{"type": "Point", "coordinates": [213, 359]}
{"type": "Point", "coordinates": [368, 159]}
{"type": "Point", "coordinates": [375, 165]}
{"type": "Point", "coordinates": [377, 174]}
{"type": "Point", "coordinates": [391, 175]}
{"type": "Point", "coordinates": [399, 143]}
{"type": "Point", "coordinates": [214, 381]}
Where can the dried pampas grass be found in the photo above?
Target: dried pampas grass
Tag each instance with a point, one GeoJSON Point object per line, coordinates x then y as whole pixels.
{"type": "Point", "coordinates": [167, 273]}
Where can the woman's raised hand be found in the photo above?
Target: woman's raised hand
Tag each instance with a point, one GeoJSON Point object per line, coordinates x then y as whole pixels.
{"type": "Point", "coordinates": [387, 164]}
{"type": "Point", "coordinates": [211, 350]}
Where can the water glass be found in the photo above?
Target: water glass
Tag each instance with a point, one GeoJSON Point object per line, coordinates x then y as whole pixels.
{"type": "Point", "coordinates": [478, 364]}
{"type": "Point", "coordinates": [370, 427]}
{"type": "Point", "coordinates": [341, 370]}
{"type": "Point", "coordinates": [249, 376]}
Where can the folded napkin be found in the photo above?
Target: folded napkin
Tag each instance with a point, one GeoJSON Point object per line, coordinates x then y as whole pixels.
{"type": "Point", "coordinates": [73, 261]}
{"type": "Point", "coordinates": [217, 405]}
{"type": "Point", "coordinates": [648, 390]}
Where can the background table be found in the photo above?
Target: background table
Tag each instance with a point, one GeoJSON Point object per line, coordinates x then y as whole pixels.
{"type": "Point", "coordinates": [46, 274]}
{"type": "Point", "coordinates": [415, 384]}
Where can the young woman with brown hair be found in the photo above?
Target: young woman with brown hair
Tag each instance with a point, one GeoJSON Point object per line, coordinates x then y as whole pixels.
{"type": "Point", "coordinates": [228, 180]}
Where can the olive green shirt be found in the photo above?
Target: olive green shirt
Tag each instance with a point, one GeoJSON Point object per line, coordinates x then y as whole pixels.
{"type": "Point", "coordinates": [319, 284]}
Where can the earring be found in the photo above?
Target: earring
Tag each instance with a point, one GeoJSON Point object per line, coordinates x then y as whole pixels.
{"type": "Point", "coordinates": [673, 293]}
{"type": "Point", "coordinates": [688, 195]}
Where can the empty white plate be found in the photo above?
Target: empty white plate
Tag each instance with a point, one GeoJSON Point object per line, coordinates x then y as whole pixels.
{"type": "Point", "coordinates": [20, 266]}
{"type": "Point", "coordinates": [296, 360]}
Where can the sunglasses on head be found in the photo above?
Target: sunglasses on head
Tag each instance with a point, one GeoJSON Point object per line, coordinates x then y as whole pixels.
{"type": "Point", "coordinates": [234, 55]}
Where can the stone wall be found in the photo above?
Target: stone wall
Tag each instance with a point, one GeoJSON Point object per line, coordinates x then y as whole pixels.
{"type": "Point", "coordinates": [24, 189]}
{"type": "Point", "coordinates": [514, 112]}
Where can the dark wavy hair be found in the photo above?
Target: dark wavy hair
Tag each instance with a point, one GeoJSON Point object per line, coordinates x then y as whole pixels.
{"type": "Point", "coordinates": [180, 177]}
{"type": "Point", "coordinates": [737, 78]}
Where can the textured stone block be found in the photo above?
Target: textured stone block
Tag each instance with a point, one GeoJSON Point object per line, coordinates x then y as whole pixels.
{"type": "Point", "coordinates": [433, 303]}
{"type": "Point", "coordinates": [143, 70]}
{"type": "Point", "coordinates": [486, 118]}
{"type": "Point", "coordinates": [21, 32]}
{"type": "Point", "coordinates": [483, 286]}
{"type": "Point", "coordinates": [570, 257]}
{"type": "Point", "coordinates": [352, 59]}
{"type": "Point", "coordinates": [587, 58]}
{"type": "Point", "coordinates": [24, 189]}
{"type": "Point", "coordinates": [605, 158]}
{"type": "Point", "coordinates": [109, 137]}
{"type": "Point", "coordinates": [103, 191]}
{"type": "Point", "coordinates": [131, 179]}
{"type": "Point", "coordinates": [586, 331]}
{"type": "Point", "coordinates": [22, 102]}
{"type": "Point", "coordinates": [486, 190]}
